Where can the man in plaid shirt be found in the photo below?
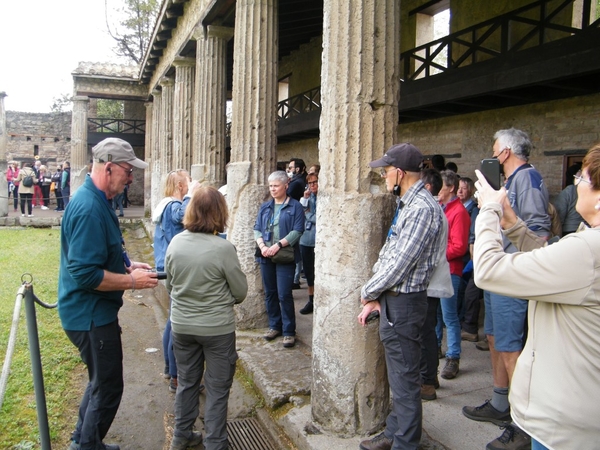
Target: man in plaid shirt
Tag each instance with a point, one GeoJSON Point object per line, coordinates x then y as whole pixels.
{"type": "Point", "coordinates": [398, 290]}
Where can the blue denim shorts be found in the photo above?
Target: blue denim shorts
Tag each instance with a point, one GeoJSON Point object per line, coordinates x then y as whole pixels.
{"type": "Point", "coordinates": [505, 320]}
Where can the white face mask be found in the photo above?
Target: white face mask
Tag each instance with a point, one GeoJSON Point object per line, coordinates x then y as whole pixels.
{"type": "Point", "coordinates": [290, 174]}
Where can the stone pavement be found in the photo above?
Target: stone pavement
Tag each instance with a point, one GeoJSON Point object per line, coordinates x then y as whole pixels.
{"type": "Point", "coordinates": [283, 377]}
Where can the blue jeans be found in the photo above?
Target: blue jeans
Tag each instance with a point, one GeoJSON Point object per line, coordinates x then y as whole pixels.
{"type": "Point", "coordinates": [101, 351]}
{"type": "Point", "coordinates": [277, 280]}
{"type": "Point", "coordinates": [450, 315]}
{"type": "Point", "coordinates": [168, 350]}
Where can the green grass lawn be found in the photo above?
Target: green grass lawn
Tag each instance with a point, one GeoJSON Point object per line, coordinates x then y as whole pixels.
{"type": "Point", "coordinates": [35, 251]}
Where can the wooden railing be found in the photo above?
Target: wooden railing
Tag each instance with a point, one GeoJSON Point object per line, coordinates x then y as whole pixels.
{"type": "Point", "coordinates": [116, 126]}
{"type": "Point", "coordinates": [530, 26]}
{"type": "Point", "coordinates": [300, 104]}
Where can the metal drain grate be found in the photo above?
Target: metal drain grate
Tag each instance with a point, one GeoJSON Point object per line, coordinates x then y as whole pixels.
{"type": "Point", "coordinates": [248, 434]}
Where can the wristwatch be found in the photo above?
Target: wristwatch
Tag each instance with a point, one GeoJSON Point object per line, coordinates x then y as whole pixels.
{"type": "Point", "coordinates": [280, 245]}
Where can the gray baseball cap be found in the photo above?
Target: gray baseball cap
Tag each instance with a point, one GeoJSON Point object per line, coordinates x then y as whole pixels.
{"type": "Point", "coordinates": [403, 156]}
{"type": "Point", "coordinates": [116, 150]}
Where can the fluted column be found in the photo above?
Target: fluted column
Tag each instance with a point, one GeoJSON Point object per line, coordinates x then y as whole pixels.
{"type": "Point", "coordinates": [166, 127]}
{"type": "Point", "coordinates": [156, 192]}
{"type": "Point", "coordinates": [183, 97]}
{"type": "Point", "coordinates": [3, 161]}
{"type": "Point", "coordinates": [359, 119]}
{"type": "Point", "coordinates": [253, 139]}
{"type": "Point", "coordinates": [211, 100]}
{"type": "Point", "coordinates": [149, 159]}
{"type": "Point", "coordinates": [79, 154]}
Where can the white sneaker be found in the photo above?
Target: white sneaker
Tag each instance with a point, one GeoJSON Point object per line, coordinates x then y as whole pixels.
{"type": "Point", "coordinates": [30, 215]}
{"type": "Point", "coordinates": [22, 215]}
{"type": "Point", "coordinates": [44, 208]}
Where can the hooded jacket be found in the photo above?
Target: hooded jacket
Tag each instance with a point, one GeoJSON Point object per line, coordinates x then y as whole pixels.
{"type": "Point", "coordinates": [168, 220]}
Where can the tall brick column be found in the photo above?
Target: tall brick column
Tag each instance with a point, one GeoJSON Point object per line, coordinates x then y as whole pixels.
{"type": "Point", "coordinates": [359, 93]}
{"type": "Point", "coordinates": [3, 161]}
{"type": "Point", "coordinates": [183, 97]}
{"type": "Point", "coordinates": [79, 153]}
{"type": "Point", "coordinates": [253, 139]}
{"type": "Point", "coordinates": [165, 136]}
{"type": "Point", "coordinates": [154, 168]}
{"type": "Point", "coordinates": [210, 104]}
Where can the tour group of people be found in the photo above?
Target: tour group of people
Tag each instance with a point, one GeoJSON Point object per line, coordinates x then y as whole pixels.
{"type": "Point", "coordinates": [31, 186]}
{"type": "Point", "coordinates": [443, 251]}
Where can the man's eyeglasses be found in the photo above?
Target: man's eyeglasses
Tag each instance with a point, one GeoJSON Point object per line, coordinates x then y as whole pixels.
{"type": "Point", "coordinates": [501, 151]}
{"type": "Point", "coordinates": [384, 172]}
{"type": "Point", "coordinates": [310, 183]}
{"type": "Point", "coordinates": [579, 179]}
{"type": "Point", "coordinates": [128, 171]}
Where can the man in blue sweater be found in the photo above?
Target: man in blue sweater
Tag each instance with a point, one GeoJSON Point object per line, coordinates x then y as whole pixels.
{"type": "Point", "coordinates": [94, 272]}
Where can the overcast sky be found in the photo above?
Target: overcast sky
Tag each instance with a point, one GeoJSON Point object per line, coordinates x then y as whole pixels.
{"type": "Point", "coordinates": [42, 42]}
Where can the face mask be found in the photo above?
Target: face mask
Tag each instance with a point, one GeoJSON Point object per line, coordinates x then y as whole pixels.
{"type": "Point", "coordinates": [290, 174]}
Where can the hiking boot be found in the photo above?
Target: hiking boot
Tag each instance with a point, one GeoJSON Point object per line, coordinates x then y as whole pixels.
{"type": "Point", "coordinates": [379, 442]}
{"type": "Point", "coordinates": [271, 334]}
{"type": "Point", "coordinates": [487, 413]}
{"type": "Point", "coordinates": [289, 341]}
{"type": "Point", "coordinates": [483, 345]}
{"type": "Point", "coordinates": [513, 438]}
{"type": "Point", "coordinates": [173, 385]}
{"type": "Point", "coordinates": [428, 392]}
{"type": "Point", "coordinates": [471, 337]}
{"type": "Point", "coordinates": [451, 369]}
{"type": "Point", "coordinates": [308, 308]}
{"type": "Point", "coordinates": [181, 442]}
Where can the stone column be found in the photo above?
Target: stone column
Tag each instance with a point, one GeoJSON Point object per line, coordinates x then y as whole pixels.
{"type": "Point", "coordinates": [149, 159]}
{"type": "Point", "coordinates": [165, 136]}
{"type": "Point", "coordinates": [156, 193]}
{"type": "Point", "coordinates": [183, 97]}
{"type": "Point", "coordinates": [211, 100]}
{"type": "Point", "coordinates": [359, 119]}
{"type": "Point", "coordinates": [79, 146]}
{"type": "Point", "coordinates": [253, 139]}
{"type": "Point", "coordinates": [3, 161]}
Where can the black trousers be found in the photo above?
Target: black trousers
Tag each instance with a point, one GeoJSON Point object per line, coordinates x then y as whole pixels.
{"type": "Point", "coordinates": [101, 351]}
{"type": "Point", "coordinates": [473, 296]}
{"type": "Point", "coordinates": [429, 348]}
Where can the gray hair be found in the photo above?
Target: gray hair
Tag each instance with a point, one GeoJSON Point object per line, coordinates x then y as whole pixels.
{"type": "Point", "coordinates": [518, 141]}
{"type": "Point", "coordinates": [450, 178]}
{"type": "Point", "coordinates": [280, 175]}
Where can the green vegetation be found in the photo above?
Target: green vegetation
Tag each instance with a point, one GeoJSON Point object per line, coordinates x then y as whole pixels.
{"type": "Point", "coordinates": [35, 251]}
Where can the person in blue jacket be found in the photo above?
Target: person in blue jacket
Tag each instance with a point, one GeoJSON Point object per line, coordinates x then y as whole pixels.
{"type": "Point", "coordinates": [168, 220]}
{"type": "Point", "coordinates": [94, 272]}
{"type": "Point", "coordinates": [280, 223]}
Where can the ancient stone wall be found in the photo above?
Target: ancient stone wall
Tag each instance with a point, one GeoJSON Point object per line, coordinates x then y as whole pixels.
{"type": "Point", "coordinates": [554, 127]}
{"type": "Point", "coordinates": [303, 67]}
{"type": "Point", "coordinates": [307, 149]}
{"type": "Point", "coordinates": [47, 136]}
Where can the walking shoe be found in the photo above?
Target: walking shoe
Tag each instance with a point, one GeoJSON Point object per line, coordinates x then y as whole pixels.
{"type": "Point", "coordinates": [483, 345]}
{"type": "Point", "coordinates": [471, 337]}
{"type": "Point", "coordinates": [173, 385]}
{"type": "Point", "coordinates": [44, 208]}
{"type": "Point", "coordinates": [75, 446]}
{"type": "Point", "coordinates": [451, 369]}
{"type": "Point", "coordinates": [289, 341]}
{"type": "Point", "coordinates": [22, 215]}
{"type": "Point", "coordinates": [166, 374]}
{"type": "Point", "coordinates": [428, 392]}
{"type": "Point", "coordinates": [181, 443]}
{"type": "Point", "coordinates": [29, 215]}
{"type": "Point", "coordinates": [379, 442]}
{"type": "Point", "coordinates": [272, 334]}
{"type": "Point", "coordinates": [513, 438]}
{"type": "Point", "coordinates": [436, 383]}
{"type": "Point", "coordinates": [308, 308]}
{"type": "Point", "coordinates": [296, 286]}
{"type": "Point", "coordinates": [487, 413]}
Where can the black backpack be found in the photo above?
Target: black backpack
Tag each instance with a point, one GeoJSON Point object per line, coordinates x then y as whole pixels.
{"type": "Point", "coordinates": [28, 180]}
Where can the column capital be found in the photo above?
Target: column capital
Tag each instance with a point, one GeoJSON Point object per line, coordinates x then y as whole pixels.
{"type": "Point", "coordinates": [166, 82]}
{"type": "Point", "coordinates": [198, 33]}
{"type": "Point", "coordinates": [156, 93]}
{"type": "Point", "coordinates": [220, 32]}
{"type": "Point", "coordinates": [182, 61]}
{"type": "Point", "coordinates": [81, 98]}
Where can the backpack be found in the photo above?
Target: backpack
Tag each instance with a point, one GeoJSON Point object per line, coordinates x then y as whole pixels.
{"type": "Point", "coordinates": [28, 180]}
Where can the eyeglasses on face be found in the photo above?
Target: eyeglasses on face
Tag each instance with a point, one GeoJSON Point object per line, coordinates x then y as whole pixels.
{"type": "Point", "coordinates": [128, 171]}
{"type": "Point", "coordinates": [383, 171]}
{"type": "Point", "coordinates": [499, 153]}
{"type": "Point", "coordinates": [578, 179]}
{"type": "Point", "coordinates": [310, 183]}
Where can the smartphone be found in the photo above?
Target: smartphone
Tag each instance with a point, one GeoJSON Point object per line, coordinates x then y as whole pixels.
{"type": "Point", "coordinates": [490, 168]}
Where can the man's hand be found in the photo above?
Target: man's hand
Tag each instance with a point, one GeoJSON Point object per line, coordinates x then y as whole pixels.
{"type": "Point", "coordinates": [367, 308]}
{"type": "Point", "coordinates": [144, 278]}
{"type": "Point", "coordinates": [138, 265]}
